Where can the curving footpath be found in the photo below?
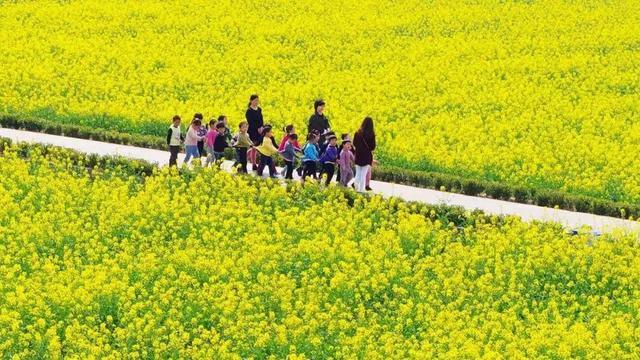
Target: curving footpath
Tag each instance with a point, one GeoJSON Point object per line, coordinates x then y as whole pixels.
{"type": "Point", "coordinates": [570, 220]}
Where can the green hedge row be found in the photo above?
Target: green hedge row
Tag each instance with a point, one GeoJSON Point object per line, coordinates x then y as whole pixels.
{"type": "Point", "coordinates": [501, 191]}
{"type": "Point", "coordinates": [433, 180]}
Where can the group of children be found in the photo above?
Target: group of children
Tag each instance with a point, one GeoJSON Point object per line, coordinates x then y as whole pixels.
{"type": "Point", "coordinates": [320, 156]}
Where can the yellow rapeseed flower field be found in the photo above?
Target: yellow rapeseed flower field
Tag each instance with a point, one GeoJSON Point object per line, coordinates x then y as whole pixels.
{"type": "Point", "coordinates": [540, 93]}
{"type": "Point", "coordinates": [210, 265]}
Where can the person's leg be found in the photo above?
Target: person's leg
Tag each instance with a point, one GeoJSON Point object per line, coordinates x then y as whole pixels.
{"type": "Point", "coordinates": [349, 176]}
{"type": "Point", "coordinates": [314, 170]}
{"type": "Point", "coordinates": [360, 176]}
{"type": "Point", "coordinates": [328, 169]}
{"type": "Point", "coordinates": [289, 170]}
{"type": "Point", "coordinates": [272, 166]}
{"type": "Point", "coordinates": [263, 163]}
{"type": "Point", "coordinates": [187, 150]}
{"type": "Point", "coordinates": [253, 154]}
{"type": "Point", "coordinates": [368, 178]}
{"type": "Point", "coordinates": [242, 153]}
{"type": "Point", "coordinates": [173, 155]}
{"type": "Point", "coordinates": [210, 156]}
{"type": "Point", "coordinates": [201, 151]}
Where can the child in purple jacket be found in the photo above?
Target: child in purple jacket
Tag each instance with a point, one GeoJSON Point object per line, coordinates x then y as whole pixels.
{"type": "Point", "coordinates": [329, 158]}
{"type": "Point", "coordinates": [346, 161]}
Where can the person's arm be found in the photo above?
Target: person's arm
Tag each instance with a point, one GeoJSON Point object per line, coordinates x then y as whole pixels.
{"type": "Point", "coordinates": [310, 125]}
{"type": "Point", "coordinates": [169, 133]}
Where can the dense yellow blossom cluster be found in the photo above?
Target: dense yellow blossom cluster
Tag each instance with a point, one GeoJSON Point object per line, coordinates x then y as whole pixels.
{"type": "Point", "coordinates": [542, 93]}
{"type": "Point", "coordinates": [211, 265]}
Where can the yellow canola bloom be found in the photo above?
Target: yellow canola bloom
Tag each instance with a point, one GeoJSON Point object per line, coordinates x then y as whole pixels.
{"type": "Point", "coordinates": [211, 265]}
{"type": "Point", "coordinates": [542, 93]}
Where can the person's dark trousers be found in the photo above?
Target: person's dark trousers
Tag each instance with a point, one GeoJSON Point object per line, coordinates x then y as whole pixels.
{"type": "Point", "coordinates": [289, 167]}
{"type": "Point", "coordinates": [241, 159]}
{"type": "Point", "coordinates": [173, 157]}
{"type": "Point", "coordinates": [266, 161]}
{"type": "Point", "coordinates": [338, 174]}
{"type": "Point", "coordinates": [201, 150]}
{"type": "Point", "coordinates": [309, 169]}
{"type": "Point", "coordinates": [329, 169]}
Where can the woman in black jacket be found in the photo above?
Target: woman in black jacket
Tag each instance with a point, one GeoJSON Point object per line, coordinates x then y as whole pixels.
{"type": "Point", "coordinates": [364, 142]}
{"type": "Point", "coordinates": [256, 124]}
{"type": "Point", "coordinates": [318, 122]}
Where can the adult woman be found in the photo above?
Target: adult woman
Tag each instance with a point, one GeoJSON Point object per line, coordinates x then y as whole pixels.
{"type": "Point", "coordinates": [256, 123]}
{"type": "Point", "coordinates": [318, 122]}
{"type": "Point", "coordinates": [364, 142]}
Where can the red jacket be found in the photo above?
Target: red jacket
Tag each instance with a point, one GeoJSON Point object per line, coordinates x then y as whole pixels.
{"type": "Point", "coordinates": [296, 145]}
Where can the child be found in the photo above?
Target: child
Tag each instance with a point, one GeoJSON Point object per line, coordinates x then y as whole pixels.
{"type": "Point", "coordinates": [242, 143]}
{"type": "Point", "coordinates": [210, 140]}
{"type": "Point", "coordinates": [289, 155]}
{"type": "Point", "coordinates": [202, 132]}
{"type": "Point", "coordinates": [346, 161]}
{"type": "Point", "coordinates": [220, 142]}
{"type": "Point", "coordinates": [289, 130]}
{"type": "Point", "coordinates": [227, 131]}
{"type": "Point", "coordinates": [191, 141]}
{"type": "Point", "coordinates": [174, 139]}
{"type": "Point", "coordinates": [310, 158]}
{"type": "Point", "coordinates": [267, 149]}
{"type": "Point", "coordinates": [343, 138]}
{"type": "Point", "coordinates": [328, 158]}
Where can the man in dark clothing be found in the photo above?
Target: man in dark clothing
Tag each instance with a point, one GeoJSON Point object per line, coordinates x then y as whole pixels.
{"type": "Point", "coordinates": [318, 122]}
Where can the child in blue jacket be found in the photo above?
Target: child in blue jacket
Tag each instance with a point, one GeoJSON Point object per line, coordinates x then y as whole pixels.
{"type": "Point", "coordinates": [310, 151]}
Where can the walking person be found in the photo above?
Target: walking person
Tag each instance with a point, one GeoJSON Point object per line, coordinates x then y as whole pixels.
{"type": "Point", "coordinates": [364, 142]}
{"type": "Point", "coordinates": [191, 141]}
{"type": "Point", "coordinates": [267, 150]}
{"type": "Point", "coordinates": [288, 153]}
{"type": "Point", "coordinates": [227, 132]}
{"type": "Point", "coordinates": [329, 158]}
{"type": "Point", "coordinates": [202, 131]}
{"type": "Point", "coordinates": [310, 157]}
{"type": "Point", "coordinates": [256, 123]}
{"type": "Point", "coordinates": [318, 122]}
{"type": "Point", "coordinates": [220, 142]}
{"type": "Point", "coordinates": [242, 143]}
{"type": "Point", "coordinates": [290, 130]}
{"type": "Point", "coordinates": [210, 140]}
{"type": "Point", "coordinates": [345, 163]}
{"type": "Point", "coordinates": [174, 140]}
